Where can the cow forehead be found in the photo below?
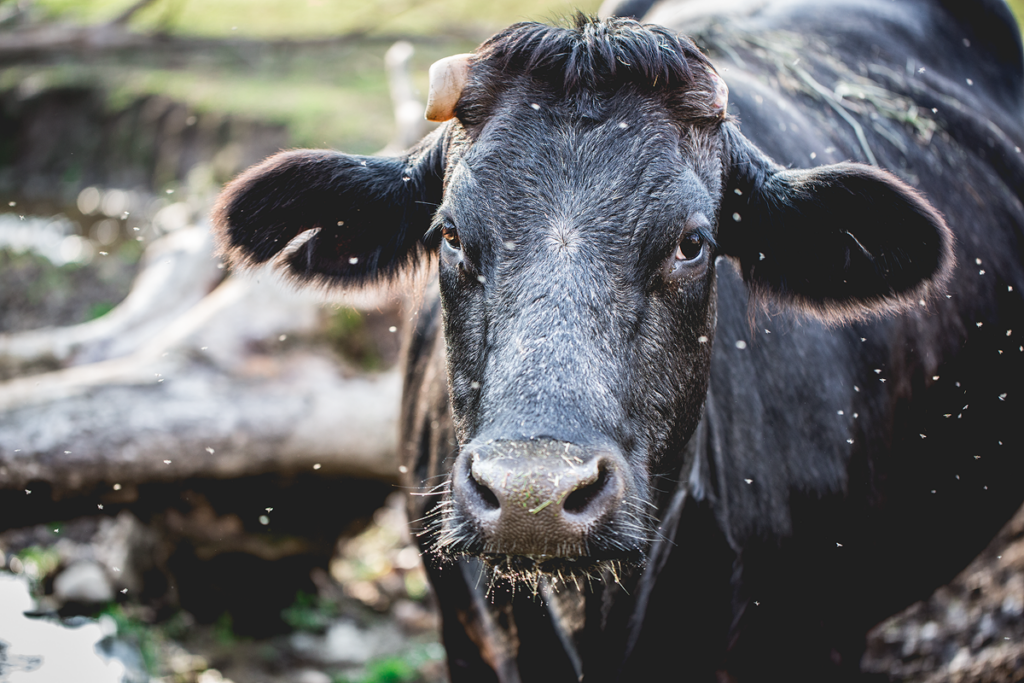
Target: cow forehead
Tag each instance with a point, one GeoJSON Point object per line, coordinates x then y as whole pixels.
{"type": "Point", "coordinates": [637, 211]}
{"type": "Point", "coordinates": [533, 126]}
{"type": "Point", "coordinates": [548, 157]}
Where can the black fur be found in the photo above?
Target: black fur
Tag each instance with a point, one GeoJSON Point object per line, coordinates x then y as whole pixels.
{"type": "Point", "coordinates": [839, 241]}
{"type": "Point", "coordinates": [787, 475]}
{"type": "Point", "coordinates": [590, 61]}
{"type": "Point", "coordinates": [368, 214]}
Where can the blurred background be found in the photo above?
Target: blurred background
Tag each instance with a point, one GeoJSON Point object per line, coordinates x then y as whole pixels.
{"type": "Point", "coordinates": [198, 471]}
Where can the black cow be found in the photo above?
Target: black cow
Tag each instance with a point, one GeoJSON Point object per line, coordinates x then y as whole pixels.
{"type": "Point", "coordinates": [717, 402]}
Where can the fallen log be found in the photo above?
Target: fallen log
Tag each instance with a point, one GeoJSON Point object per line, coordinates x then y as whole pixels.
{"type": "Point", "coordinates": [198, 401]}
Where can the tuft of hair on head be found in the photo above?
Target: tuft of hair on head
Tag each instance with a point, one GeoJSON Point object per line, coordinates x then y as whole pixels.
{"type": "Point", "coordinates": [592, 56]}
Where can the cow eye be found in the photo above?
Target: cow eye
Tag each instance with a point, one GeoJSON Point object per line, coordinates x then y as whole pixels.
{"type": "Point", "coordinates": [690, 247]}
{"type": "Point", "coordinates": [451, 236]}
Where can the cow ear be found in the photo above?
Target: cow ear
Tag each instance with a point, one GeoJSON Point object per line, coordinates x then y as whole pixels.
{"type": "Point", "coordinates": [840, 242]}
{"type": "Point", "coordinates": [329, 218]}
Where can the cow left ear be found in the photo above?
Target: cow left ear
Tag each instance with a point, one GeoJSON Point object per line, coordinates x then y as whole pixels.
{"type": "Point", "coordinates": [840, 242]}
{"type": "Point", "coordinates": [332, 219]}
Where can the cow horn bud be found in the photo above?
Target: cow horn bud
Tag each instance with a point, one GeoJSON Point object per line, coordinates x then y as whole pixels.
{"type": "Point", "coordinates": [447, 79]}
{"type": "Point", "coordinates": [721, 99]}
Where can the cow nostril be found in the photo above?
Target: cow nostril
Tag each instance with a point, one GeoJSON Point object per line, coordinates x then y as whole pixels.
{"type": "Point", "coordinates": [578, 501]}
{"type": "Point", "coordinates": [487, 497]}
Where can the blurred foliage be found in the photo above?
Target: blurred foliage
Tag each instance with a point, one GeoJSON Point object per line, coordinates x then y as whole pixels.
{"type": "Point", "coordinates": [224, 631]}
{"type": "Point", "coordinates": [404, 668]}
{"type": "Point", "coordinates": [388, 670]}
{"type": "Point", "coordinates": [343, 105]}
{"type": "Point", "coordinates": [98, 310]}
{"type": "Point", "coordinates": [318, 18]}
{"type": "Point", "coordinates": [310, 613]}
{"type": "Point", "coordinates": [34, 292]}
{"type": "Point", "coordinates": [40, 277]}
{"type": "Point", "coordinates": [349, 335]}
{"type": "Point", "coordinates": [38, 562]}
{"type": "Point", "coordinates": [144, 636]}
{"type": "Point", "coordinates": [331, 93]}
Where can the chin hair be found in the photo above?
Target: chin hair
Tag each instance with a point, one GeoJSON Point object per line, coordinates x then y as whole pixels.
{"type": "Point", "coordinates": [532, 573]}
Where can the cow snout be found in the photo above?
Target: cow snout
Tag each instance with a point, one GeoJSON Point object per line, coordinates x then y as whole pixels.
{"type": "Point", "coordinates": [538, 498]}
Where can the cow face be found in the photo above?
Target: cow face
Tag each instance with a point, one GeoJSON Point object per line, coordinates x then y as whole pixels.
{"type": "Point", "coordinates": [577, 281]}
{"type": "Point", "coordinates": [575, 202]}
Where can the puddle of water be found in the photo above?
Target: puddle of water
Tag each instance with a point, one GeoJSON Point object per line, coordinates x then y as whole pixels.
{"type": "Point", "coordinates": [39, 650]}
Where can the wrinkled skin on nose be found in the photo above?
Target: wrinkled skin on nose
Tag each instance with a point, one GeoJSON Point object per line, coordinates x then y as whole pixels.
{"type": "Point", "coordinates": [539, 498]}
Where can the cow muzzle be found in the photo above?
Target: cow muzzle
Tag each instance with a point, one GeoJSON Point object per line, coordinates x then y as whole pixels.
{"type": "Point", "coordinates": [538, 499]}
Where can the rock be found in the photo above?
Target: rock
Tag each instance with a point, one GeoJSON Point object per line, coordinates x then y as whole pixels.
{"type": "Point", "coordinates": [311, 676]}
{"type": "Point", "coordinates": [212, 676]}
{"type": "Point", "coordinates": [83, 582]}
{"type": "Point", "coordinates": [346, 643]}
{"type": "Point", "coordinates": [126, 548]}
{"type": "Point", "coordinates": [129, 657]}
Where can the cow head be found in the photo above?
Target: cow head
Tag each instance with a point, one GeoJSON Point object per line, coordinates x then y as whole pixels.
{"type": "Point", "coordinates": [573, 200]}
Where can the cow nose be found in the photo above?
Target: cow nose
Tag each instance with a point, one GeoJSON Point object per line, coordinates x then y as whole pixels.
{"type": "Point", "coordinates": [538, 498]}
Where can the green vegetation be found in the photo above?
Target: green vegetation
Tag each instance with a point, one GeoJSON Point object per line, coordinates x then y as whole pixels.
{"type": "Point", "coordinates": [346, 106]}
{"type": "Point", "coordinates": [39, 562]}
{"type": "Point", "coordinates": [317, 18]}
{"type": "Point", "coordinates": [140, 634]}
{"type": "Point", "coordinates": [98, 310]}
{"type": "Point", "coordinates": [348, 334]}
{"type": "Point", "coordinates": [403, 668]}
{"type": "Point", "coordinates": [310, 613]}
{"type": "Point", "coordinates": [388, 670]}
{"type": "Point", "coordinates": [330, 94]}
{"type": "Point", "coordinates": [224, 631]}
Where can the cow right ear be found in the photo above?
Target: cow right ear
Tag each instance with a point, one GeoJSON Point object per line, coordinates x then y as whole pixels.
{"type": "Point", "coordinates": [839, 242]}
{"type": "Point", "coordinates": [332, 219]}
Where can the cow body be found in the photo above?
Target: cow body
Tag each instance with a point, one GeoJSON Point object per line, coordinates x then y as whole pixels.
{"type": "Point", "coordinates": [771, 442]}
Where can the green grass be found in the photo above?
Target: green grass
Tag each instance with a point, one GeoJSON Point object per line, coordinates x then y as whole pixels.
{"type": "Point", "coordinates": [332, 95]}
{"type": "Point", "coordinates": [317, 114]}
{"type": "Point", "coordinates": [317, 18]}
{"type": "Point", "coordinates": [326, 95]}
{"type": "Point", "coordinates": [389, 670]}
{"type": "Point", "coordinates": [402, 668]}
